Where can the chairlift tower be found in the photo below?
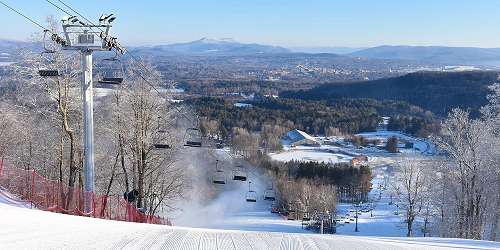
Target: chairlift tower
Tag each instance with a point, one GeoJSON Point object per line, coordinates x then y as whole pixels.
{"type": "Point", "coordinates": [87, 38]}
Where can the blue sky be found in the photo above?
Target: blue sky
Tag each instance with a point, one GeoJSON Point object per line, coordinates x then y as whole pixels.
{"type": "Point", "coordinates": [354, 23]}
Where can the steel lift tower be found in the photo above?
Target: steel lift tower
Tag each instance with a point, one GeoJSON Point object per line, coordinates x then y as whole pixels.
{"type": "Point", "coordinates": [87, 38]}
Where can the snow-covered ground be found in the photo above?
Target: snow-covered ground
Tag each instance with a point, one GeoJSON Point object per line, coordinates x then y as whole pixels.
{"type": "Point", "coordinates": [228, 209]}
{"type": "Point", "coordinates": [343, 152]}
{"type": "Point", "coordinates": [421, 145]}
{"type": "Point", "coordinates": [382, 221]}
{"type": "Point", "coordinates": [33, 229]}
{"type": "Point", "coordinates": [226, 222]}
{"type": "Point", "coordinates": [304, 153]}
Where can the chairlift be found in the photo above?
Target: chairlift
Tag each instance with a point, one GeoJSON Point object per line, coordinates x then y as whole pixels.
{"type": "Point", "coordinates": [219, 177]}
{"type": "Point", "coordinates": [159, 142]}
{"type": "Point", "coordinates": [239, 173]}
{"type": "Point", "coordinates": [269, 194]}
{"type": "Point", "coordinates": [48, 56]}
{"type": "Point", "coordinates": [251, 195]}
{"type": "Point", "coordinates": [192, 137]}
{"type": "Point", "coordinates": [112, 71]}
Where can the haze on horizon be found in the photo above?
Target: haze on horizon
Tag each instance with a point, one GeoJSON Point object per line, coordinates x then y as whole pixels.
{"type": "Point", "coordinates": [322, 23]}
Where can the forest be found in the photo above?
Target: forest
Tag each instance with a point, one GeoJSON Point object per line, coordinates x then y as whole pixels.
{"type": "Point", "coordinates": [438, 92]}
{"type": "Point", "coordinates": [314, 117]}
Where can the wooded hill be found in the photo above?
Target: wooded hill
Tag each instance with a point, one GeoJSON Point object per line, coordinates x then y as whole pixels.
{"type": "Point", "coordinates": [314, 117]}
{"type": "Point", "coordinates": [438, 92]}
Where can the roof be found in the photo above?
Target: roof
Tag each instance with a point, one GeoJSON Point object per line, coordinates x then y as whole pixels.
{"type": "Point", "coordinates": [298, 135]}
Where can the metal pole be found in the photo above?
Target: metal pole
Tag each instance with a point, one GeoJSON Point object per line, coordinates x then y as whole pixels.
{"type": "Point", "coordinates": [322, 225]}
{"type": "Point", "coordinates": [356, 216]}
{"type": "Point", "coordinates": [88, 129]}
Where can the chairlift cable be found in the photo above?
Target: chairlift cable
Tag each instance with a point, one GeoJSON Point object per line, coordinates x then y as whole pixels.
{"type": "Point", "coordinates": [61, 9]}
{"type": "Point", "coordinates": [125, 50]}
{"type": "Point", "coordinates": [58, 7]}
{"type": "Point", "coordinates": [69, 7]}
{"type": "Point", "coordinates": [134, 58]}
{"type": "Point", "coordinates": [26, 17]}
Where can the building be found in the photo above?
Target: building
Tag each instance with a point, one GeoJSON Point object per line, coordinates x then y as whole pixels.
{"type": "Point", "coordinates": [297, 138]}
{"type": "Point", "coordinates": [359, 160]}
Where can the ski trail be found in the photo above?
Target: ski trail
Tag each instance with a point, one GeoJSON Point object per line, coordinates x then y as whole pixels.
{"type": "Point", "coordinates": [224, 242]}
{"type": "Point", "coordinates": [308, 243]}
{"type": "Point", "coordinates": [240, 242]}
{"type": "Point", "coordinates": [173, 240]}
{"type": "Point", "coordinates": [208, 241]}
{"type": "Point", "coordinates": [189, 240]}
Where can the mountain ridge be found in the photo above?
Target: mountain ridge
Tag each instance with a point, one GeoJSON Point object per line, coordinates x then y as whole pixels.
{"type": "Point", "coordinates": [210, 46]}
{"type": "Point", "coordinates": [438, 92]}
{"type": "Point", "coordinates": [434, 54]}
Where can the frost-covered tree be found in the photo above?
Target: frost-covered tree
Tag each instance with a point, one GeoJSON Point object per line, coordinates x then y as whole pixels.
{"type": "Point", "coordinates": [470, 176]}
{"type": "Point", "coordinates": [410, 188]}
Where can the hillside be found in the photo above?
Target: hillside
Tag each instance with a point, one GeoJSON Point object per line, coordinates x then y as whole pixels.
{"type": "Point", "coordinates": [435, 54]}
{"type": "Point", "coordinates": [438, 92]}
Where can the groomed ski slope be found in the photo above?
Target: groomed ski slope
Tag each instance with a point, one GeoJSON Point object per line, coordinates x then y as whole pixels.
{"type": "Point", "coordinates": [23, 228]}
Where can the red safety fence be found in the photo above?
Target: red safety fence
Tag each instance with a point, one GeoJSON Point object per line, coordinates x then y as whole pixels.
{"type": "Point", "coordinates": [53, 196]}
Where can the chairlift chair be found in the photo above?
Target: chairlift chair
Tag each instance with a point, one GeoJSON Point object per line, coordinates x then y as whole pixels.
{"type": "Point", "coordinates": [161, 146]}
{"type": "Point", "coordinates": [159, 142]}
{"type": "Point", "coordinates": [239, 173]}
{"type": "Point", "coordinates": [112, 71]}
{"type": "Point", "coordinates": [251, 195]}
{"type": "Point", "coordinates": [219, 177]}
{"type": "Point", "coordinates": [48, 56]}
{"type": "Point", "coordinates": [269, 194]}
{"type": "Point", "coordinates": [192, 137]}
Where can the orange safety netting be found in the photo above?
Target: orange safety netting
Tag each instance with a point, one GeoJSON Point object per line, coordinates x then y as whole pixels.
{"type": "Point", "coordinates": [50, 195]}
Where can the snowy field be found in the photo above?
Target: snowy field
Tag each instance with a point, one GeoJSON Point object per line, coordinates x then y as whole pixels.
{"type": "Point", "coordinates": [421, 145]}
{"type": "Point", "coordinates": [337, 154]}
{"type": "Point", "coordinates": [32, 229]}
{"type": "Point", "coordinates": [318, 154]}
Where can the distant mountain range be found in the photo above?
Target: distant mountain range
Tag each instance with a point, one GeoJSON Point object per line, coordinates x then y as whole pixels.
{"type": "Point", "coordinates": [206, 46]}
{"type": "Point", "coordinates": [331, 50]}
{"type": "Point", "coordinates": [422, 54]}
{"type": "Point", "coordinates": [434, 54]}
{"type": "Point", "coordinates": [226, 46]}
